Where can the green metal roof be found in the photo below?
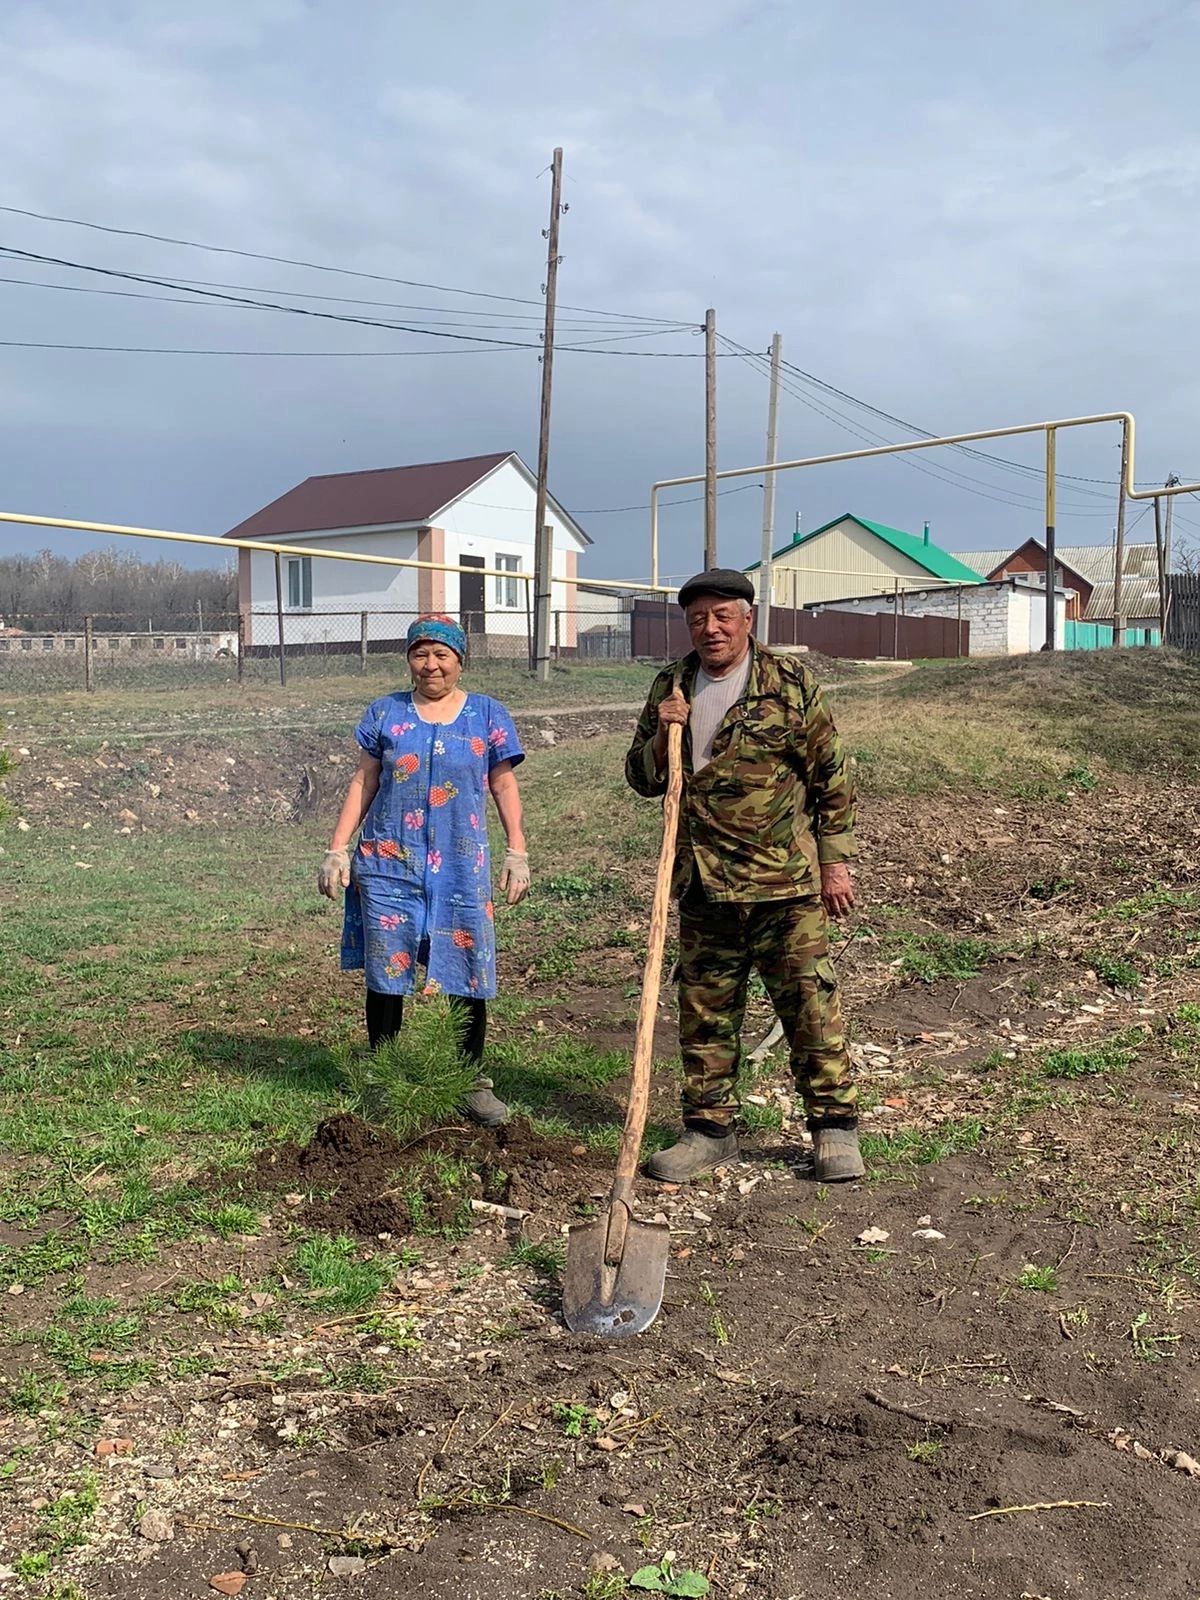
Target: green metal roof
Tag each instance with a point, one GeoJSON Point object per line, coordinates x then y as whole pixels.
{"type": "Point", "coordinates": [936, 561]}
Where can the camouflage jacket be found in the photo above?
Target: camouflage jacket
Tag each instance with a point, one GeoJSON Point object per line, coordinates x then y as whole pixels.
{"type": "Point", "coordinates": [777, 800]}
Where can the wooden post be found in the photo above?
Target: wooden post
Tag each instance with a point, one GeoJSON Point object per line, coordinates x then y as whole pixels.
{"type": "Point", "coordinates": [710, 440]}
{"type": "Point", "coordinates": [539, 644]}
{"type": "Point", "coordinates": [896, 622]}
{"type": "Point", "coordinates": [1161, 552]}
{"type": "Point", "coordinates": [362, 640]}
{"type": "Point", "coordinates": [768, 524]}
{"type": "Point", "coordinates": [241, 645]}
{"type": "Point", "coordinates": [557, 636]}
{"type": "Point", "coordinates": [529, 646]}
{"type": "Point", "coordinates": [279, 619]}
{"type": "Point", "coordinates": [89, 662]}
{"type": "Point", "coordinates": [958, 636]}
{"type": "Point", "coordinates": [1119, 551]}
{"type": "Point", "coordinates": [544, 570]}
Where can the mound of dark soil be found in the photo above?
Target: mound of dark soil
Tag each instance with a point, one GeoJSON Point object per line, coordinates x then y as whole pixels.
{"type": "Point", "coordinates": [358, 1179]}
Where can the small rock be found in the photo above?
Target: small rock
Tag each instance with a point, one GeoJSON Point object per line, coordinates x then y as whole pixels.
{"type": "Point", "coordinates": [112, 1447]}
{"type": "Point", "coordinates": [603, 1561]}
{"type": "Point", "coordinates": [285, 1541]}
{"type": "Point", "coordinates": [157, 1525]}
{"type": "Point", "coordinates": [927, 1233]}
{"type": "Point", "coordinates": [1182, 1462]}
{"type": "Point", "coordinates": [702, 1217]}
{"type": "Point", "coordinates": [158, 1469]}
{"type": "Point", "coordinates": [230, 1583]}
{"type": "Point", "coordinates": [346, 1566]}
{"type": "Point", "coordinates": [924, 1222]}
{"type": "Point", "coordinates": [634, 1508]}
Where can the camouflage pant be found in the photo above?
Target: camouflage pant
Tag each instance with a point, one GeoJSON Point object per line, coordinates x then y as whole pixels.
{"type": "Point", "coordinates": [788, 941]}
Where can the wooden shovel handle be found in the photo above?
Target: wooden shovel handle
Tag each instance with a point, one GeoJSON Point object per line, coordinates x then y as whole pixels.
{"type": "Point", "coordinates": [643, 1049]}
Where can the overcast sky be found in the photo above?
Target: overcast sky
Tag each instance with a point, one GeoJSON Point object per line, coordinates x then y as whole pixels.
{"type": "Point", "coordinates": [968, 216]}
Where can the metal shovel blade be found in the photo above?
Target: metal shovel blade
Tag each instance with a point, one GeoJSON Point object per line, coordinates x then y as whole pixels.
{"type": "Point", "coordinates": [614, 1301]}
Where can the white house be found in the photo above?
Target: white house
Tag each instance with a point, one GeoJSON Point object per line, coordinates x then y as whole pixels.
{"type": "Point", "coordinates": [472, 513]}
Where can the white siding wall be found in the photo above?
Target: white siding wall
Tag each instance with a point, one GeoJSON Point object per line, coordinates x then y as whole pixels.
{"type": "Point", "coordinates": [832, 567]}
{"type": "Point", "coordinates": [351, 587]}
{"type": "Point", "coordinates": [496, 518]}
{"type": "Point", "coordinates": [1000, 616]}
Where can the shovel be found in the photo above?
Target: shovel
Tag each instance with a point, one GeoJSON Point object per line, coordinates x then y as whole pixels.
{"type": "Point", "coordinates": [616, 1266]}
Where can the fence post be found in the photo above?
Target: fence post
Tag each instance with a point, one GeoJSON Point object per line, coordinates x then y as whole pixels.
{"type": "Point", "coordinates": [557, 636]}
{"type": "Point", "coordinates": [958, 636]}
{"type": "Point", "coordinates": [241, 645]}
{"type": "Point", "coordinates": [362, 641]}
{"type": "Point", "coordinates": [895, 622]}
{"type": "Point", "coordinates": [279, 619]}
{"type": "Point", "coordinates": [89, 679]}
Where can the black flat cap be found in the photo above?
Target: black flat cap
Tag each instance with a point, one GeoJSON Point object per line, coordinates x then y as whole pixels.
{"type": "Point", "coordinates": [724, 581]}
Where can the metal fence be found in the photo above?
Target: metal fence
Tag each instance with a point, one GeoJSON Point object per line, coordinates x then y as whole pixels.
{"type": "Point", "coordinates": [262, 647]}
{"type": "Point", "coordinates": [1183, 617]}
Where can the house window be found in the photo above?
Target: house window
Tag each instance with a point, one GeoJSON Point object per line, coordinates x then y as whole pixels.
{"type": "Point", "coordinates": [47, 644]}
{"type": "Point", "coordinates": [506, 588]}
{"type": "Point", "coordinates": [69, 644]}
{"type": "Point", "coordinates": [26, 644]}
{"type": "Point", "coordinates": [3, 644]}
{"type": "Point", "coordinates": [299, 583]}
{"type": "Point", "coordinates": [160, 644]}
{"type": "Point", "coordinates": [114, 644]}
{"type": "Point", "coordinates": [181, 644]}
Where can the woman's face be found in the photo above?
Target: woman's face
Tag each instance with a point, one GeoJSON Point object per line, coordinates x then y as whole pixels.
{"type": "Point", "coordinates": [435, 669]}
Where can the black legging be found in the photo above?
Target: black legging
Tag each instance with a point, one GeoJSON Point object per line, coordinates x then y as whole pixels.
{"type": "Point", "coordinates": [385, 1013]}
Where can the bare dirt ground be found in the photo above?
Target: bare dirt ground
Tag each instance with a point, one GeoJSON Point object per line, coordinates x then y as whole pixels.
{"type": "Point", "coordinates": [973, 1374]}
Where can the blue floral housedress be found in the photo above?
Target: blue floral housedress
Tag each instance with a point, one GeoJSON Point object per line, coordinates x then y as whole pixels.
{"type": "Point", "coordinates": [420, 880]}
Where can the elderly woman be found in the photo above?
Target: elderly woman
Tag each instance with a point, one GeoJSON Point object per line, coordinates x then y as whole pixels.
{"type": "Point", "coordinates": [419, 883]}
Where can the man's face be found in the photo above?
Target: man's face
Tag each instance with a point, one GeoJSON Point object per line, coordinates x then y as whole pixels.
{"type": "Point", "coordinates": [720, 630]}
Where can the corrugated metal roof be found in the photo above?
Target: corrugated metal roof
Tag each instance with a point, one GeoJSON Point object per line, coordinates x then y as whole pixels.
{"type": "Point", "coordinates": [936, 561]}
{"type": "Point", "coordinates": [1093, 563]}
{"type": "Point", "coordinates": [380, 497]}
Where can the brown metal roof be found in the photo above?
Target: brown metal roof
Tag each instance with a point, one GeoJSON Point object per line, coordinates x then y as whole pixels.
{"type": "Point", "coordinates": [372, 499]}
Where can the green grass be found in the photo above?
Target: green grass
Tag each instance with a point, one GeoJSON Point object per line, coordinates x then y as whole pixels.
{"type": "Point", "coordinates": [1042, 1280]}
{"type": "Point", "coordinates": [1092, 1060]}
{"type": "Point", "coordinates": [930, 956]}
{"type": "Point", "coordinates": [335, 1277]}
{"type": "Point", "coordinates": [921, 1147]}
{"type": "Point", "coordinates": [1116, 971]}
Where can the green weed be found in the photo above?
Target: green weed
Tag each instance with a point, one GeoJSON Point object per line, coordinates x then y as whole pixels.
{"type": "Point", "coordinates": [925, 1451]}
{"type": "Point", "coordinates": [574, 1418]}
{"type": "Point", "coordinates": [1042, 1279]}
{"type": "Point", "coordinates": [929, 956]}
{"type": "Point", "coordinates": [546, 1259]}
{"type": "Point", "coordinates": [919, 1147]}
{"type": "Point", "coordinates": [1114, 970]}
{"type": "Point", "coordinates": [335, 1278]}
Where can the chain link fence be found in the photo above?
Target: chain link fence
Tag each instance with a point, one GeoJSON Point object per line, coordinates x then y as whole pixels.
{"type": "Point", "coordinates": [257, 646]}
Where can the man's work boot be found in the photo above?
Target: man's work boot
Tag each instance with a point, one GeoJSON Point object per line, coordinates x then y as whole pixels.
{"type": "Point", "coordinates": [694, 1155]}
{"type": "Point", "coordinates": [485, 1108]}
{"type": "Point", "coordinates": [836, 1156]}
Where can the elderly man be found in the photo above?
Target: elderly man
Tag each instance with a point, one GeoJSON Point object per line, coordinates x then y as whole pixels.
{"type": "Point", "coordinates": [766, 830]}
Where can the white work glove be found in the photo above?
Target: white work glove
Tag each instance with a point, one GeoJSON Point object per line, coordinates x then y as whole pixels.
{"type": "Point", "coordinates": [514, 876]}
{"type": "Point", "coordinates": [334, 873]}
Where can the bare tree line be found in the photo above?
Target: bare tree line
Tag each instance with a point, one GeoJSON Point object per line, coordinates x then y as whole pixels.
{"type": "Point", "coordinates": [52, 593]}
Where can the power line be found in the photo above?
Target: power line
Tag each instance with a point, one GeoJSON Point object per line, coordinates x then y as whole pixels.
{"type": "Point", "coordinates": [511, 319]}
{"type": "Point", "coordinates": [983, 455]}
{"type": "Point", "coordinates": [308, 266]}
{"type": "Point", "coordinates": [481, 347]}
{"type": "Point", "coordinates": [690, 500]}
{"type": "Point", "coordinates": [964, 480]}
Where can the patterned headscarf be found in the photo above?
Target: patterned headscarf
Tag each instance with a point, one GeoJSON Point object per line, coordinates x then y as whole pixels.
{"type": "Point", "coordinates": [442, 630]}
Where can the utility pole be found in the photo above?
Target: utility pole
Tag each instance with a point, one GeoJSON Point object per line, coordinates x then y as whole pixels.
{"type": "Point", "coordinates": [1119, 549]}
{"type": "Point", "coordinates": [1172, 480]}
{"type": "Point", "coordinates": [1160, 553]}
{"type": "Point", "coordinates": [543, 558]}
{"type": "Point", "coordinates": [768, 528]}
{"type": "Point", "coordinates": [710, 439]}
